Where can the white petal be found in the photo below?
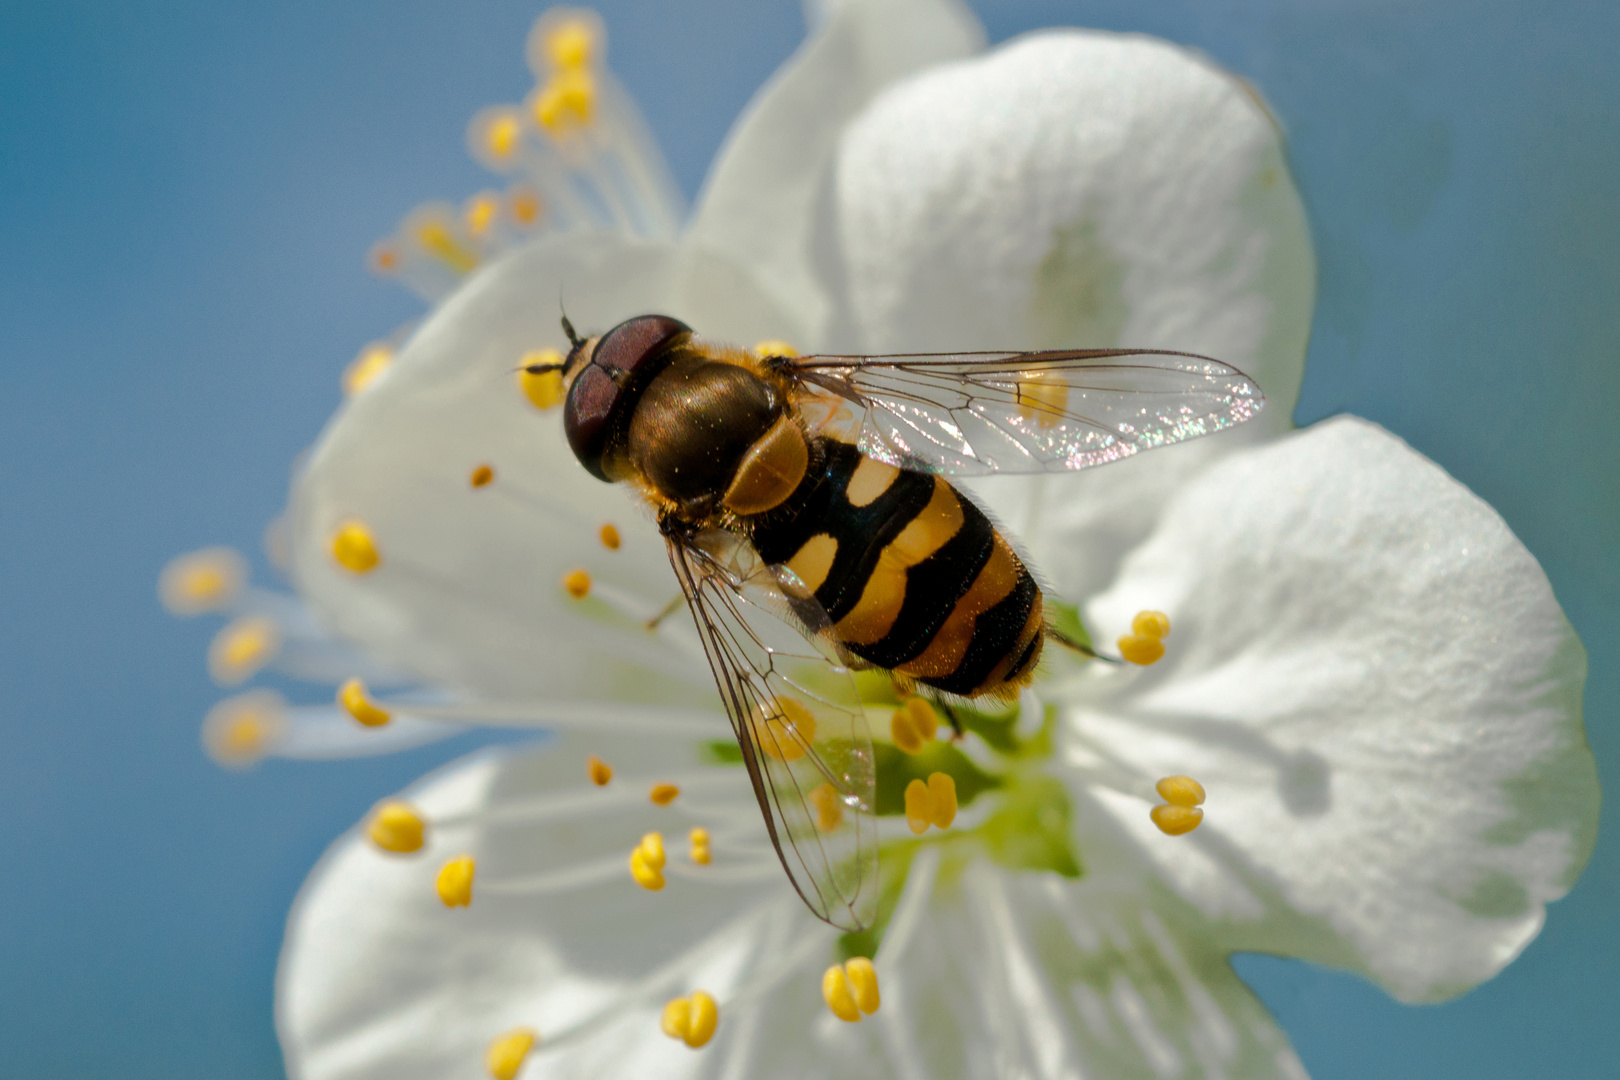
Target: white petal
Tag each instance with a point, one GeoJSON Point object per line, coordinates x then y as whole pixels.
{"type": "Point", "coordinates": [1081, 189]}
{"type": "Point", "coordinates": [759, 203]}
{"type": "Point", "coordinates": [468, 591]}
{"type": "Point", "coordinates": [1371, 677]}
{"type": "Point", "coordinates": [982, 974]}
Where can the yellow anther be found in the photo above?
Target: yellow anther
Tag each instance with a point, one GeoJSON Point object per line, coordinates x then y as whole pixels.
{"type": "Point", "coordinates": [942, 788]}
{"type": "Point", "coordinates": [829, 807]}
{"type": "Point", "coordinates": [598, 770]}
{"type": "Point", "coordinates": [567, 102]}
{"type": "Point", "coordinates": [691, 1019]}
{"type": "Point", "coordinates": [545, 390]}
{"type": "Point", "coordinates": [1042, 397]}
{"type": "Point", "coordinates": [1140, 650]}
{"type": "Point", "coordinates": [201, 581]}
{"type": "Point", "coordinates": [369, 363]}
{"type": "Point", "coordinates": [1176, 820]}
{"type": "Point", "coordinates": [863, 983]}
{"type": "Point", "coordinates": [919, 806]}
{"type": "Point", "coordinates": [931, 803]}
{"type": "Point", "coordinates": [913, 725]}
{"type": "Point", "coordinates": [437, 240]}
{"type": "Point", "coordinates": [663, 794]}
{"type": "Point", "coordinates": [570, 44]}
{"type": "Point", "coordinates": [647, 862]}
{"type": "Point", "coordinates": [482, 476]}
{"type": "Point", "coordinates": [480, 212]}
{"type": "Point", "coordinates": [578, 584]}
{"type": "Point", "coordinates": [506, 1052]}
{"type": "Point", "coordinates": [525, 206]}
{"type": "Point", "coordinates": [456, 881]}
{"type": "Point", "coordinates": [397, 827]}
{"type": "Point", "coordinates": [773, 347]}
{"type": "Point", "coordinates": [352, 696]}
{"type": "Point", "coordinates": [610, 537]}
{"type": "Point", "coordinates": [354, 548]}
{"type": "Point", "coordinates": [701, 854]}
{"type": "Point", "coordinates": [786, 734]}
{"type": "Point", "coordinates": [1153, 624]}
{"type": "Point", "coordinates": [1181, 790]}
{"type": "Point", "coordinates": [850, 989]}
{"type": "Point", "coordinates": [242, 648]}
{"type": "Point", "coordinates": [502, 133]}
{"type": "Point", "coordinates": [240, 730]}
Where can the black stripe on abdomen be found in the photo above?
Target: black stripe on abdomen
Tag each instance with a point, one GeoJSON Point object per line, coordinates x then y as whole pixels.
{"type": "Point", "coordinates": [995, 633]}
{"type": "Point", "coordinates": [933, 587]}
{"type": "Point", "coordinates": [862, 532]}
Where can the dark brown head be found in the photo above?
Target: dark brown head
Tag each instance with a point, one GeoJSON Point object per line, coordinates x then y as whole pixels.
{"type": "Point", "coordinates": [604, 392]}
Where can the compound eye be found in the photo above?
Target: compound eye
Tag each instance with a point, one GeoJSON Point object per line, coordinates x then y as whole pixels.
{"type": "Point", "coordinates": [635, 341]}
{"type": "Point", "coordinates": [603, 394]}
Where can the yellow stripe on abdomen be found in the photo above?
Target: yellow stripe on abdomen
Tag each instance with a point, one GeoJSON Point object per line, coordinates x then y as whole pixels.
{"type": "Point", "coordinates": [885, 590]}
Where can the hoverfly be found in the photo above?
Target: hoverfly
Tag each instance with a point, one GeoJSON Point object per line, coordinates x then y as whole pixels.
{"type": "Point", "coordinates": [806, 500]}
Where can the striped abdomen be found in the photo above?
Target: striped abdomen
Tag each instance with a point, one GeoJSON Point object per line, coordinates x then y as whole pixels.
{"type": "Point", "coordinates": [912, 574]}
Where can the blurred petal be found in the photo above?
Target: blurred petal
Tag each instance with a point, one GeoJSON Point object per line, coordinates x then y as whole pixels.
{"type": "Point", "coordinates": [1371, 677]}
{"type": "Point", "coordinates": [1081, 189]}
{"type": "Point", "coordinates": [759, 203]}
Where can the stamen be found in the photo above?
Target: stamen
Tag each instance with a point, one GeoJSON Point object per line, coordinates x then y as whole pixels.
{"type": "Point", "coordinates": [647, 862]}
{"type": "Point", "coordinates": [851, 988]}
{"type": "Point", "coordinates": [482, 476]}
{"type": "Point", "coordinates": [578, 584]}
{"type": "Point", "coordinates": [437, 240]}
{"type": "Point", "coordinates": [240, 730]}
{"type": "Point", "coordinates": [566, 104]}
{"type": "Point", "coordinates": [506, 1052]}
{"type": "Point", "coordinates": [774, 347]}
{"type": "Point", "coordinates": [829, 807]}
{"type": "Point", "coordinates": [200, 581]}
{"type": "Point", "coordinates": [397, 827]}
{"type": "Point", "coordinates": [354, 548]}
{"type": "Point", "coordinates": [787, 734]}
{"type": "Point", "coordinates": [913, 725]}
{"type": "Point", "coordinates": [352, 696]}
{"type": "Point", "coordinates": [663, 794]}
{"type": "Point", "coordinates": [569, 44]}
{"type": "Point", "coordinates": [1145, 643]}
{"type": "Point", "coordinates": [384, 258]}
{"type": "Point", "coordinates": [700, 847]}
{"type": "Point", "coordinates": [1181, 790]}
{"type": "Point", "coordinates": [367, 365]}
{"type": "Point", "coordinates": [455, 881]}
{"type": "Point", "coordinates": [1176, 820]}
{"type": "Point", "coordinates": [481, 213]}
{"type": "Point", "coordinates": [691, 1019]}
{"type": "Point", "coordinates": [598, 770]}
{"type": "Point", "coordinates": [544, 390]}
{"type": "Point", "coordinates": [242, 648]}
{"type": "Point", "coordinates": [525, 206]}
{"type": "Point", "coordinates": [1180, 813]}
{"type": "Point", "coordinates": [494, 136]}
{"type": "Point", "coordinates": [931, 803]}
{"type": "Point", "coordinates": [610, 537]}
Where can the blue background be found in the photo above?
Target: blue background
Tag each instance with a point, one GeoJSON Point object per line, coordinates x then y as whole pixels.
{"type": "Point", "coordinates": [187, 193]}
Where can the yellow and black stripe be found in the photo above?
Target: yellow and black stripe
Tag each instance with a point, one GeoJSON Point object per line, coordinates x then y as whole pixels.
{"type": "Point", "coordinates": [913, 575]}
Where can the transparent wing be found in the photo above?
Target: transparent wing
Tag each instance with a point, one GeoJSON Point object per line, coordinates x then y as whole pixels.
{"type": "Point", "coordinates": [975, 413]}
{"type": "Point", "coordinates": [797, 716]}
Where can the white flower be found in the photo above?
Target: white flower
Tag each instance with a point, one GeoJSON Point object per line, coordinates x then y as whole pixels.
{"type": "Point", "coordinates": [1367, 672]}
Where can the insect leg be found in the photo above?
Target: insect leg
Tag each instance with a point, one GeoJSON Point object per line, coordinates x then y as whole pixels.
{"type": "Point", "coordinates": [1069, 643]}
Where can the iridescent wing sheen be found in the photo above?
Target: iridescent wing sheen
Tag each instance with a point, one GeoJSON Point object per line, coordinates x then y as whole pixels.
{"type": "Point", "coordinates": [797, 716]}
{"type": "Point", "coordinates": [976, 413]}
